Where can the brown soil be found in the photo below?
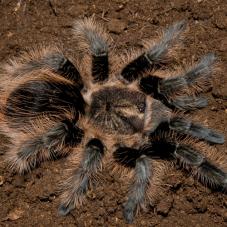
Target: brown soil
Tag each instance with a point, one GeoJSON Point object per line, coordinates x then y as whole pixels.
{"type": "Point", "coordinates": [31, 200]}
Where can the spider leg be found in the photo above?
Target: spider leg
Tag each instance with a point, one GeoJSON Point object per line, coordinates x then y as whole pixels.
{"type": "Point", "coordinates": [188, 102]}
{"type": "Point", "coordinates": [27, 151]}
{"type": "Point", "coordinates": [149, 85]}
{"type": "Point", "coordinates": [92, 37]}
{"type": "Point", "coordinates": [197, 77]}
{"type": "Point", "coordinates": [82, 178]}
{"type": "Point", "coordinates": [147, 179]}
{"type": "Point", "coordinates": [208, 173]}
{"type": "Point", "coordinates": [181, 91]}
{"type": "Point", "coordinates": [153, 57]}
{"type": "Point", "coordinates": [157, 115]}
{"type": "Point", "coordinates": [133, 158]}
{"type": "Point", "coordinates": [187, 127]}
{"type": "Point", "coordinates": [45, 58]}
{"type": "Point", "coordinates": [137, 193]}
{"type": "Point", "coordinates": [194, 156]}
{"type": "Point", "coordinates": [39, 114]}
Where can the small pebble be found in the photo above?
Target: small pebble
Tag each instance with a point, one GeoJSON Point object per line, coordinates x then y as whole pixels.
{"type": "Point", "coordinates": [15, 214]}
{"type": "Point", "coordinates": [225, 216]}
{"type": "Point", "coordinates": [1, 180]}
{"type": "Point", "coordinates": [201, 207]}
{"type": "Point", "coordinates": [116, 26]}
{"type": "Point", "coordinates": [213, 108]}
{"type": "Point", "coordinates": [91, 195]}
{"type": "Point", "coordinates": [165, 206]}
{"type": "Point", "coordinates": [19, 181]}
{"type": "Point", "coordinates": [111, 210]}
{"type": "Point", "coordinates": [220, 20]}
{"type": "Point", "coordinates": [220, 93]}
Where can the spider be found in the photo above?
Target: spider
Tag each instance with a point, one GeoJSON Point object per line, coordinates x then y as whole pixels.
{"type": "Point", "coordinates": [123, 112]}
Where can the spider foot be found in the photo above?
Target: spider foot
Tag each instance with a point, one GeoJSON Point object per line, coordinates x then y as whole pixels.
{"type": "Point", "coordinates": [63, 209]}
{"type": "Point", "coordinates": [189, 128]}
{"type": "Point", "coordinates": [195, 79]}
{"type": "Point", "coordinates": [188, 102]}
{"type": "Point", "coordinates": [205, 170]}
{"type": "Point", "coordinates": [129, 210]}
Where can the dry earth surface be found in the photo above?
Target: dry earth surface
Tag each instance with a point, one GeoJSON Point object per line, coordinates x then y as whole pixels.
{"type": "Point", "coordinates": [31, 200]}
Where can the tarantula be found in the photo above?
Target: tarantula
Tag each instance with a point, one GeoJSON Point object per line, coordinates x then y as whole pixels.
{"type": "Point", "coordinates": [109, 110]}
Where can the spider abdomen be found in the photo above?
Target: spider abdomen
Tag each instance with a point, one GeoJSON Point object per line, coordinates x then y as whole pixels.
{"type": "Point", "coordinates": [39, 96]}
{"type": "Point", "coordinates": [118, 110]}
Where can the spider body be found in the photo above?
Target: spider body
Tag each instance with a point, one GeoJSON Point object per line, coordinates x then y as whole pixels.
{"type": "Point", "coordinates": [116, 110]}
{"type": "Point", "coordinates": [108, 110]}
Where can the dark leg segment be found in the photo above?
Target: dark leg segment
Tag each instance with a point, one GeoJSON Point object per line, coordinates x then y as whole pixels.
{"type": "Point", "coordinates": [133, 69]}
{"type": "Point", "coordinates": [58, 63]}
{"type": "Point", "coordinates": [83, 177]}
{"type": "Point", "coordinates": [152, 58]}
{"type": "Point", "coordinates": [100, 68]}
{"type": "Point", "coordinates": [184, 126]}
{"type": "Point", "coordinates": [127, 156]}
{"type": "Point", "coordinates": [54, 143]}
{"type": "Point", "coordinates": [203, 169]}
{"type": "Point", "coordinates": [150, 86]}
{"type": "Point", "coordinates": [100, 62]}
{"type": "Point", "coordinates": [134, 158]}
{"type": "Point", "coordinates": [201, 71]}
{"type": "Point", "coordinates": [93, 38]}
{"type": "Point", "coordinates": [190, 159]}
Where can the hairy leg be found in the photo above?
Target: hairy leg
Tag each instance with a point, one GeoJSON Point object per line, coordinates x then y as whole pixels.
{"type": "Point", "coordinates": [81, 178]}
{"type": "Point", "coordinates": [92, 37]}
{"type": "Point", "coordinates": [150, 86]}
{"type": "Point", "coordinates": [54, 140]}
{"type": "Point", "coordinates": [205, 164]}
{"type": "Point", "coordinates": [157, 115]}
{"type": "Point", "coordinates": [203, 169]}
{"type": "Point", "coordinates": [187, 127]}
{"type": "Point", "coordinates": [181, 91]}
{"type": "Point", "coordinates": [50, 58]}
{"type": "Point", "coordinates": [154, 56]}
{"type": "Point", "coordinates": [146, 176]}
{"type": "Point", "coordinates": [194, 80]}
{"type": "Point", "coordinates": [137, 194]}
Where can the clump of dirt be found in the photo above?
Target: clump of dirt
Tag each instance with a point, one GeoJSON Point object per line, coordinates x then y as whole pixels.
{"type": "Point", "coordinates": [32, 200]}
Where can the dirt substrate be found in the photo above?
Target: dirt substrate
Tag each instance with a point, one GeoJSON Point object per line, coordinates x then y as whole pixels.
{"type": "Point", "coordinates": [31, 200]}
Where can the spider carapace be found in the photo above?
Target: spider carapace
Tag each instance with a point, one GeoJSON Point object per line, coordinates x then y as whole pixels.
{"type": "Point", "coordinates": [118, 110]}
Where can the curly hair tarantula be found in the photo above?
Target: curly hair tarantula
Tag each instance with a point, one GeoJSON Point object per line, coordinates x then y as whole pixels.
{"type": "Point", "coordinates": [125, 112]}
